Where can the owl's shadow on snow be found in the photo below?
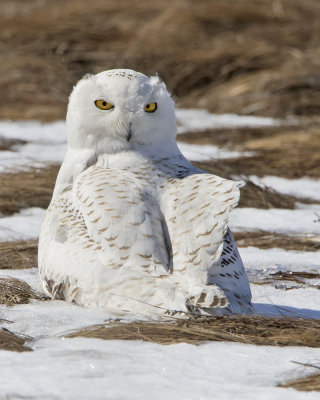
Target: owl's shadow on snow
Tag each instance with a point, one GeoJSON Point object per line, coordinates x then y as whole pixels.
{"type": "Point", "coordinates": [277, 310]}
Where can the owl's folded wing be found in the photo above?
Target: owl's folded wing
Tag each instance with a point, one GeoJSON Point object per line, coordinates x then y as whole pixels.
{"type": "Point", "coordinates": [196, 210]}
{"type": "Point", "coordinates": [122, 217]}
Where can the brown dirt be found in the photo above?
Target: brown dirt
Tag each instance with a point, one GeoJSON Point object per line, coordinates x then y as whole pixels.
{"type": "Point", "coordinates": [308, 384]}
{"type": "Point", "coordinates": [265, 240]}
{"type": "Point", "coordinates": [11, 342]}
{"type": "Point", "coordinates": [242, 329]}
{"type": "Point", "coordinates": [246, 57]}
{"type": "Point", "coordinates": [14, 291]}
{"type": "Point", "coordinates": [27, 189]}
{"type": "Point", "coordinates": [18, 255]}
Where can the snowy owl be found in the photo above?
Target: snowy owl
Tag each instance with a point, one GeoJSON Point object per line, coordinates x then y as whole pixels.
{"type": "Point", "coordinates": [132, 226]}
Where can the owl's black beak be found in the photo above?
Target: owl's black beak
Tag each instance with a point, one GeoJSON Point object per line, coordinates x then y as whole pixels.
{"type": "Point", "coordinates": [129, 135]}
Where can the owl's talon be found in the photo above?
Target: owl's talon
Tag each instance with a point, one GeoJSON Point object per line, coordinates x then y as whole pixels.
{"type": "Point", "coordinates": [209, 297]}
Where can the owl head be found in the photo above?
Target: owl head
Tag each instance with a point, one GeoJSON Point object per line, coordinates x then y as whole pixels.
{"type": "Point", "coordinates": [120, 110]}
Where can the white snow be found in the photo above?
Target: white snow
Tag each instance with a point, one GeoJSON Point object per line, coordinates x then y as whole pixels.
{"type": "Point", "coordinates": [293, 260]}
{"type": "Point", "coordinates": [24, 225]}
{"type": "Point", "coordinates": [195, 152]}
{"type": "Point", "coordinates": [92, 368]}
{"type": "Point", "coordinates": [50, 318]}
{"type": "Point", "coordinates": [34, 131]}
{"type": "Point", "coordinates": [298, 302]}
{"type": "Point", "coordinates": [46, 144]}
{"type": "Point", "coordinates": [303, 221]}
{"type": "Point", "coordinates": [307, 188]}
{"type": "Point", "coordinates": [192, 120]}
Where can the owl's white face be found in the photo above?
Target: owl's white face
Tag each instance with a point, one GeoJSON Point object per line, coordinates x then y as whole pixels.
{"type": "Point", "coordinates": [120, 110]}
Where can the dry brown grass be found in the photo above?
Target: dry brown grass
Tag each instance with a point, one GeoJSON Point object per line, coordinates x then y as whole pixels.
{"type": "Point", "coordinates": [242, 329]}
{"type": "Point", "coordinates": [308, 384]}
{"type": "Point", "coordinates": [265, 240]}
{"type": "Point", "coordinates": [14, 291]}
{"type": "Point", "coordinates": [245, 57]}
{"type": "Point", "coordinates": [11, 342]}
{"type": "Point", "coordinates": [18, 255]}
{"type": "Point", "coordinates": [287, 152]}
{"type": "Point", "coordinates": [27, 189]}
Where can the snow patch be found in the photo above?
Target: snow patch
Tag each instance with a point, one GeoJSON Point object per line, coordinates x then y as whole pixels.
{"type": "Point", "coordinates": [193, 120]}
{"type": "Point", "coordinates": [84, 368]}
{"type": "Point", "coordinates": [292, 260]}
{"type": "Point", "coordinates": [24, 225]}
{"type": "Point", "coordinates": [195, 152]}
{"type": "Point", "coordinates": [303, 187]}
{"type": "Point", "coordinates": [303, 221]}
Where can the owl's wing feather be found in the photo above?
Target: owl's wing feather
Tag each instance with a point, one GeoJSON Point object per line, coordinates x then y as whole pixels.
{"type": "Point", "coordinates": [123, 217]}
{"type": "Point", "coordinates": [229, 274]}
{"type": "Point", "coordinates": [196, 209]}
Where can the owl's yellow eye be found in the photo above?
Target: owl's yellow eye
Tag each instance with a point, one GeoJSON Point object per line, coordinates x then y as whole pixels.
{"type": "Point", "coordinates": [103, 105]}
{"type": "Point", "coordinates": [150, 108]}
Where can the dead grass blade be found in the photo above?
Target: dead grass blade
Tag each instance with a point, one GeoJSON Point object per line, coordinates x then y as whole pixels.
{"type": "Point", "coordinates": [11, 342]}
{"type": "Point", "coordinates": [308, 384]}
{"type": "Point", "coordinates": [14, 291]}
{"type": "Point", "coordinates": [18, 255]}
{"type": "Point", "coordinates": [242, 329]}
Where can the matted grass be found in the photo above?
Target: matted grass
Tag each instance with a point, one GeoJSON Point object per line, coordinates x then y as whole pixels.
{"type": "Point", "coordinates": [292, 163]}
{"type": "Point", "coordinates": [11, 342]}
{"type": "Point", "coordinates": [242, 329]}
{"type": "Point", "coordinates": [307, 384]}
{"type": "Point", "coordinates": [15, 291]}
{"type": "Point", "coordinates": [19, 255]}
{"type": "Point", "coordinates": [27, 189]}
{"type": "Point", "coordinates": [289, 152]}
{"type": "Point", "coordinates": [267, 240]}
